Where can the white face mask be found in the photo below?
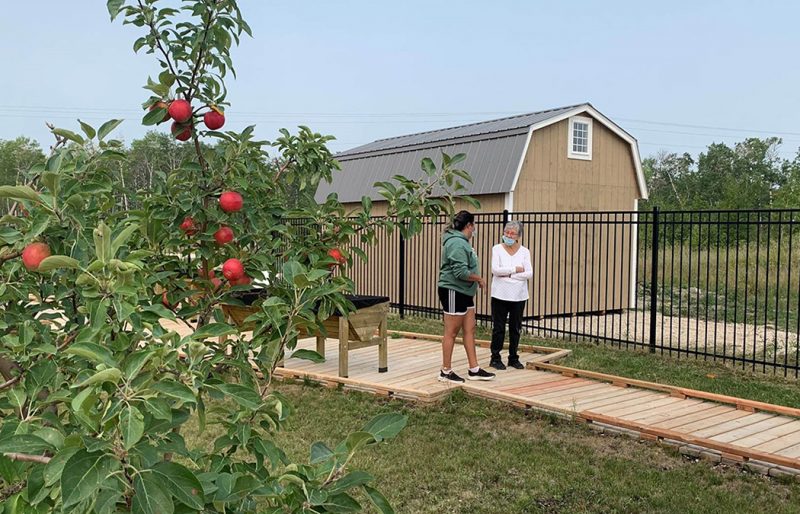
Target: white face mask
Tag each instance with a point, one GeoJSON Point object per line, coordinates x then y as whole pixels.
{"type": "Point", "coordinates": [474, 230]}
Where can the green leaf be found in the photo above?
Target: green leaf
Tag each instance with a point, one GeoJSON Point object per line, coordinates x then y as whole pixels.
{"type": "Point", "coordinates": [366, 203]}
{"type": "Point", "coordinates": [24, 443]}
{"type": "Point", "coordinates": [350, 480]}
{"type": "Point", "coordinates": [107, 127]}
{"type": "Point", "coordinates": [214, 330]}
{"type": "Point", "coordinates": [341, 503]}
{"type": "Point", "coordinates": [68, 134]}
{"type": "Point", "coordinates": [309, 355]}
{"type": "Point", "coordinates": [82, 475]}
{"type": "Point", "coordinates": [243, 395]}
{"type": "Point", "coordinates": [54, 468]}
{"type": "Point", "coordinates": [92, 352]}
{"type": "Point", "coordinates": [320, 452]}
{"type": "Point", "coordinates": [159, 310]}
{"type": "Point", "coordinates": [175, 390]}
{"type": "Point", "coordinates": [58, 262]}
{"type": "Point", "coordinates": [378, 500]}
{"type": "Point", "coordinates": [159, 409]}
{"type": "Point", "coordinates": [149, 496]}
{"type": "Point", "coordinates": [131, 423]}
{"type": "Point", "coordinates": [19, 193]}
{"type": "Point", "coordinates": [114, 7]}
{"type": "Point", "coordinates": [182, 484]}
{"type": "Point", "coordinates": [122, 238]}
{"type": "Point", "coordinates": [428, 166]}
{"type": "Point", "coordinates": [17, 397]}
{"type": "Point", "coordinates": [112, 375]}
{"type": "Point", "coordinates": [88, 130]}
{"type": "Point", "coordinates": [358, 440]}
{"type": "Point", "coordinates": [154, 117]}
{"type": "Point", "coordinates": [135, 362]}
{"type": "Point", "coordinates": [386, 426]}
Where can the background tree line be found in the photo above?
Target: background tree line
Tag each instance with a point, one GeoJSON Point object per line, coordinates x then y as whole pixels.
{"type": "Point", "coordinates": [155, 153]}
{"type": "Point", "coordinates": [747, 175]}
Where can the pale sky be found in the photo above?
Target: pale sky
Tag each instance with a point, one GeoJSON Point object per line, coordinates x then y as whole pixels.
{"type": "Point", "coordinates": [677, 75]}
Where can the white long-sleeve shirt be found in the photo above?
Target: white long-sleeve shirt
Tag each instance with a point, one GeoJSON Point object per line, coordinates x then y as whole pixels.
{"type": "Point", "coordinates": [507, 284]}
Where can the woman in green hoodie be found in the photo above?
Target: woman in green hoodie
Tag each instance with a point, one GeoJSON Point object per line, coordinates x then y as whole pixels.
{"type": "Point", "coordinates": [458, 283]}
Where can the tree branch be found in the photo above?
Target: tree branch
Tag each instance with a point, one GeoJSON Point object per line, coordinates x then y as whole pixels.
{"type": "Point", "coordinates": [154, 31]}
{"type": "Point", "coordinates": [8, 256]}
{"type": "Point", "coordinates": [22, 457]}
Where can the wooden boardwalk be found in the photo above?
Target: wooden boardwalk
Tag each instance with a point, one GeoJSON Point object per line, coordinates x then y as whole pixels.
{"type": "Point", "coordinates": [733, 429]}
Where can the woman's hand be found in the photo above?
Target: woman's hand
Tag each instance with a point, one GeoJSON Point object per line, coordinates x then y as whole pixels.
{"type": "Point", "coordinates": [520, 269]}
{"type": "Point", "coordinates": [481, 283]}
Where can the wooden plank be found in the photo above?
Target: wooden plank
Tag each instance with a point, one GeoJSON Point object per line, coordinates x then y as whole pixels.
{"type": "Point", "coordinates": [780, 443]}
{"type": "Point", "coordinates": [715, 410]}
{"type": "Point", "coordinates": [626, 395]}
{"type": "Point", "coordinates": [598, 395]}
{"type": "Point", "coordinates": [569, 391]}
{"type": "Point", "coordinates": [748, 453]}
{"type": "Point", "coordinates": [663, 410]}
{"type": "Point", "coordinates": [711, 421]}
{"type": "Point", "coordinates": [343, 349]}
{"type": "Point", "coordinates": [768, 435]}
{"type": "Point", "coordinates": [654, 418]}
{"type": "Point", "coordinates": [693, 393]}
{"type": "Point", "coordinates": [553, 382]}
{"type": "Point", "coordinates": [756, 428]}
{"type": "Point", "coordinates": [792, 452]}
{"type": "Point", "coordinates": [744, 421]}
{"type": "Point", "coordinates": [624, 410]}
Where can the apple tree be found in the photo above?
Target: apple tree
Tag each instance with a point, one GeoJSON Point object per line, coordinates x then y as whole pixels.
{"type": "Point", "coordinates": [111, 333]}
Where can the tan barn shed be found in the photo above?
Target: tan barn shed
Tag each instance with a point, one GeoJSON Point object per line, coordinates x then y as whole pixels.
{"type": "Point", "coordinates": [567, 160]}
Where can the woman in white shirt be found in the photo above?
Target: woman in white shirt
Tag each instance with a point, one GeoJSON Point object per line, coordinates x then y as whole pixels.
{"type": "Point", "coordinates": [511, 270]}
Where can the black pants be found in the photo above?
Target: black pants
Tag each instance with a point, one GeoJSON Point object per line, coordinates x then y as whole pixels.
{"type": "Point", "coordinates": [506, 312]}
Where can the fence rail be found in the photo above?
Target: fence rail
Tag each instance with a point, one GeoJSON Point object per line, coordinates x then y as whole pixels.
{"type": "Point", "coordinates": [719, 285]}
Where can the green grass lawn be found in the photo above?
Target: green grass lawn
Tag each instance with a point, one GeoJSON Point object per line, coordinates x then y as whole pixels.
{"type": "Point", "coordinates": [685, 372]}
{"type": "Point", "coordinates": [467, 455]}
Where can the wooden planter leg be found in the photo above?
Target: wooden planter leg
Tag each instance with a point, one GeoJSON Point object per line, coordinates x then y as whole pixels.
{"type": "Point", "coordinates": [383, 349]}
{"type": "Point", "coordinates": [344, 333]}
{"type": "Point", "coordinates": [321, 344]}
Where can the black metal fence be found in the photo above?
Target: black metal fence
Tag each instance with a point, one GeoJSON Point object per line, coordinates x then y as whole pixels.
{"type": "Point", "coordinates": [721, 285]}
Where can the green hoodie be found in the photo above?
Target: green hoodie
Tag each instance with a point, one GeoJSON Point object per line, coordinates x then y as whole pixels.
{"type": "Point", "coordinates": [459, 260]}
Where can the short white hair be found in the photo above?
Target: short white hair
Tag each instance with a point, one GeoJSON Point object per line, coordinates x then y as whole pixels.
{"type": "Point", "coordinates": [514, 224]}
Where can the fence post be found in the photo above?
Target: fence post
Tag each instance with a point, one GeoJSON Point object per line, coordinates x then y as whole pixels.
{"type": "Point", "coordinates": [505, 218]}
{"type": "Point", "coordinates": [654, 282]}
{"type": "Point", "coordinates": [401, 286]}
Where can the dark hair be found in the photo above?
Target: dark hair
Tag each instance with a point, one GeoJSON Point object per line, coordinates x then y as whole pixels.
{"type": "Point", "coordinates": [462, 219]}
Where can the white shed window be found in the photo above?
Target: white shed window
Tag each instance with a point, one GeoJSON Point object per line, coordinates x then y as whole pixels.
{"type": "Point", "coordinates": [580, 138]}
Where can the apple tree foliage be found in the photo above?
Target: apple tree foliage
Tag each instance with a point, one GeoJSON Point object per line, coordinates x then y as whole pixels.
{"type": "Point", "coordinates": [117, 340]}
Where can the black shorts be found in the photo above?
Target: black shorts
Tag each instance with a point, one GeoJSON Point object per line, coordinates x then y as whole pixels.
{"type": "Point", "coordinates": [455, 303]}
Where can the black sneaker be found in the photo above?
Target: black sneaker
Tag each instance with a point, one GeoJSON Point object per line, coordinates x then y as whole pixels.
{"type": "Point", "coordinates": [481, 374]}
{"type": "Point", "coordinates": [516, 364]}
{"type": "Point", "coordinates": [450, 376]}
{"type": "Point", "coordinates": [497, 365]}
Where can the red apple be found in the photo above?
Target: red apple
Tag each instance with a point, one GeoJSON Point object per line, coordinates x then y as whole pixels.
{"type": "Point", "coordinates": [232, 269]}
{"type": "Point", "coordinates": [181, 132]}
{"type": "Point", "coordinates": [180, 110]}
{"type": "Point", "coordinates": [202, 272]}
{"type": "Point", "coordinates": [161, 105]}
{"type": "Point", "coordinates": [224, 235]}
{"type": "Point", "coordinates": [216, 282]}
{"type": "Point", "coordinates": [336, 254]}
{"type": "Point", "coordinates": [214, 119]}
{"type": "Point", "coordinates": [230, 201]}
{"type": "Point", "coordinates": [244, 281]}
{"type": "Point", "coordinates": [34, 254]}
{"type": "Point", "coordinates": [188, 226]}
